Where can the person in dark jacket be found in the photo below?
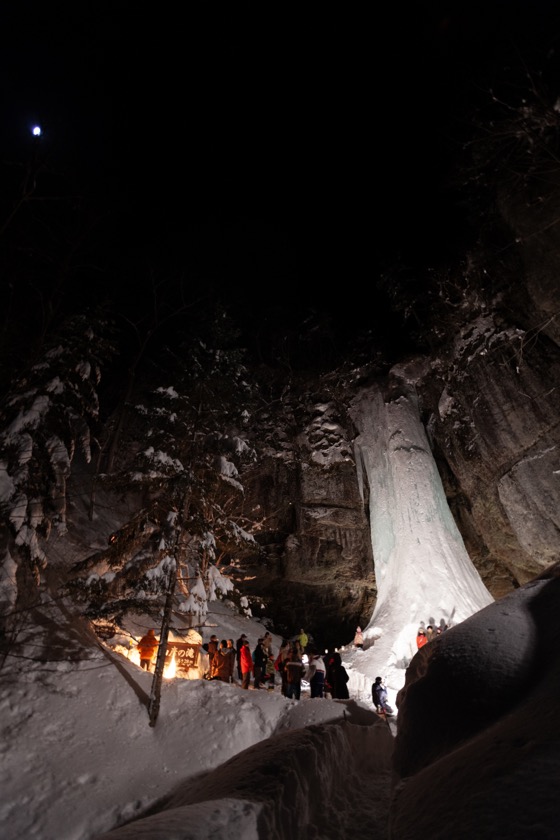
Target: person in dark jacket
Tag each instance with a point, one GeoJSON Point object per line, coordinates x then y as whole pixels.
{"type": "Point", "coordinates": [260, 658]}
{"type": "Point", "coordinates": [335, 675]}
{"type": "Point", "coordinates": [341, 683]}
{"type": "Point", "coordinates": [294, 672]}
{"type": "Point", "coordinates": [379, 697]}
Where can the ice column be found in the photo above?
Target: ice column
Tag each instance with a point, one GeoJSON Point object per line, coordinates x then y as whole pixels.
{"type": "Point", "coordinates": [422, 568]}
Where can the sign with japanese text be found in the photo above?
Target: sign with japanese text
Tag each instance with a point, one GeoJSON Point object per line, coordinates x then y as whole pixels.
{"type": "Point", "coordinates": [186, 656]}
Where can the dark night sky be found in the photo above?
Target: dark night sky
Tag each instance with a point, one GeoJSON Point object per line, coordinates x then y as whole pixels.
{"type": "Point", "coordinates": [268, 148]}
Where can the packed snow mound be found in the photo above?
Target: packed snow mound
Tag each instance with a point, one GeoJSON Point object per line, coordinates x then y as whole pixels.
{"type": "Point", "coordinates": [478, 743]}
{"type": "Point", "coordinates": [287, 787]}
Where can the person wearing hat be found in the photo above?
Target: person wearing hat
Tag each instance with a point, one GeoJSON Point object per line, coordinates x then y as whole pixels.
{"type": "Point", "coordinates": [379, 697]}
{"type": "Point", "coordinates": [147, 646]}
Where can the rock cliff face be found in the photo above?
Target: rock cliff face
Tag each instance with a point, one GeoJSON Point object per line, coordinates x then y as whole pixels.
{"type": "Point", "coordinates": [316, 566]}
{"type": "Point", "coordinates": [496, 427]}
{"type": "Point", "coordinates": [490, 402]}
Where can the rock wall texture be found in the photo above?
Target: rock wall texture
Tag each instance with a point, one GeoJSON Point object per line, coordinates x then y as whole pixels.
{"type": "Point", "coordinates": [490, 401]}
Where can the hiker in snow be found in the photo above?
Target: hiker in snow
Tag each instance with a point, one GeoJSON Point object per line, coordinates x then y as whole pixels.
{"type": "Point", "coordinates": [246, 663]}
{"type": "Point", "coordinates": [147, 647]}
{"type": "Point", "coordinates": [336, 675]}
{"type": "Point", "coordinates": [213, 646]}
{"type": "Point", "coordinates": [379, 697]}
{"type": "Point", "coordinates": [359, 639]}
{"type": "Point", "coordinates": [421, 638]}
{"type": "Point", "coordinates": [223, 662]}
{"type": "Point", "coordinates": [303, 639]}
{"type": "Point", "coordinates": [238, 646]}
{"type": "Point", "coordinates": [283, 655]}
{"type": "Point", "coordinates": [267, 642]}
{"type": "Point", "coordinates": [316, 674]}
{"type": "Point", "coordinates": [294, 670]}
{"type": "Point", "coordinates": [269, 677]}
{"type": "Point", "coordinates": [260, 658]}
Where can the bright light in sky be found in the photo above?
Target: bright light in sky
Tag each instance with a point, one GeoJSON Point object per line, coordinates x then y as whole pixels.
{"type": "Point", "coordinates": [36, 131]}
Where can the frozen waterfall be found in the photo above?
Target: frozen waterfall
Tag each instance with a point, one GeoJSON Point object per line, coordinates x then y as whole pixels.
{"type": "Point", "coordinates": [423, 571]}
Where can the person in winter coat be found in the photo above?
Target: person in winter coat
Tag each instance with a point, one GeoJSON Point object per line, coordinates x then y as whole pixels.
{"type": "Point", "coordinates": [341, 683]}
{"type": "Point", "coordinates": [238, 646]}
{"type": "Point", "coordinates": [294, 671]}
{"type": "Point", "coordinates": [379, 697]}
{"type": "Point", "coordinates": [430, 632]}
{"type": "Point", "coordinates": [147, 647]}
{"type": "Point", "coordinates": [223, 663]}
{"type": "Point", "coordinates": [303, 639]}
{"type": "Point", "coordinates": [421, 638]}
{"type": "Point", "coordinates": [336, 676]}
{"type": "Point", "coordinates": [332, 660]}
{"type": "Point", "coordinates": [246, 663]}
{"type": "Point", "coordinates": [213, 646]}
{"type": "Point", "coordinates": [296, 645]}
{"type": "Point", "coordinates": [267, 642]}
{"type": "Point", "coordinates": [359, 639]}
{"type": "Point", "coordinates": [283, 656]}
{"type": "Point", "coordinates": [270, 673]}
{"type": "Point", "coordinates": [260, 658]}
{"type": "Point", "coordinates": [316, 674]}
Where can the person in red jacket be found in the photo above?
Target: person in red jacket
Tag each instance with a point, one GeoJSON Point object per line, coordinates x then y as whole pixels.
{"type": "Point", "coordinates": [147, 646]}
{"type": "Point", "coordinates": [246, 664]}
{"type": "Point", "coordinates": [421, 638]}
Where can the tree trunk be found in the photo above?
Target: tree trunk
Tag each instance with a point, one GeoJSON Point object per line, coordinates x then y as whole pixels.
{"type": "Point", "coordinates": [155, 696]}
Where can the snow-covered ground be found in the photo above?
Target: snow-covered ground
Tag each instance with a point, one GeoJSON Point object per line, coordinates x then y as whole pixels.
{"type": "Point", "coordinates": [79, 756]}
{"type": "Point", "coordinates": [477, 749]}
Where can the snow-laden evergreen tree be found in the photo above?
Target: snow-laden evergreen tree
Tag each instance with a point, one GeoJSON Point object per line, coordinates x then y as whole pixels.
{"type": "Point", "coordinates": [46, 417]}
{"type": "Point", "coordinates": [183, 458]}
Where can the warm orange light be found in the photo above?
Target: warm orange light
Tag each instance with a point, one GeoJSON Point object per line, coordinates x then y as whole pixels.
{"type": "Point", "coordinates": [170, 670]}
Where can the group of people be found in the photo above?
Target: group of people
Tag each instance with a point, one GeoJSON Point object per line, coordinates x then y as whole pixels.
{"type": "Point", "coordinates": [221, 659]}
{"type": "Point", "coordinates": [228, 659]}
{"type": "Point", "coordinates": [296, 660]}
{"type": "Point", "coordinates": [257, 664]}
{"type": "Point", "coordinates": [261, 665]}
{"type": "Point", "coordinates": [427, 634]}
{"type": "Point", "coordinates": [326, 675]}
